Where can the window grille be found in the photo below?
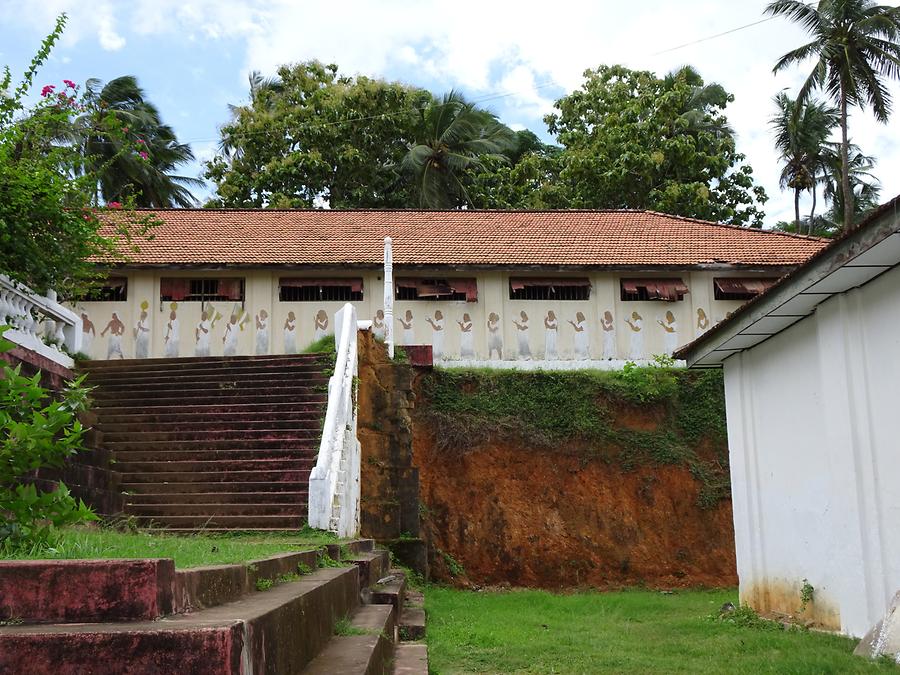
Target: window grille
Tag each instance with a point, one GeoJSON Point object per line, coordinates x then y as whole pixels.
{"type": "Point", "coordinates": [113, 289]}
{"type": "Point", "coordinates": [460, 290]}
{"type": "Point", "coordinates": [549, 289]}
{"type": "Point", "coordinates": [667, 290]}
{"type": "Point", "coordinates": [319, 290]}
{"type": "Point", "coordinates": [730, 288]}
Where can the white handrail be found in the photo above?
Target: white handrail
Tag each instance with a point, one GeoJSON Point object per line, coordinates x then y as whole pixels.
{"type": "Point", "coordinates": [334, 481]}
{"type": "Point", "coordinates": [38, 323]}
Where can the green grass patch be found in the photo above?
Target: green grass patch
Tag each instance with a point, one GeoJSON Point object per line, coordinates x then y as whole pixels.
{"type": "Point", "coordinates": [623, 632]}
{"type": "Point", "coordinates": [324, 345]}
{"type": "Point", "coordinates": [343, 626]}
{"type": "Point", "coordinates": [187, 550]}
{"type": "Point", "coordinates": [581, 412]}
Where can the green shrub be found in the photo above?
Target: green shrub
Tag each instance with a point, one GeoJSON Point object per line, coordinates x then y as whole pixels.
{"type": "Point", "coordinates": [37, 430]}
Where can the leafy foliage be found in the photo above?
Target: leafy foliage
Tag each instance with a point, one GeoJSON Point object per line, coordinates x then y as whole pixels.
{"type": "Point", "coordinates": [311, 136]}
{"type": "Point", "coordinates": [37, 430]}
{"type": "Point", "coordinates": [579, 412]}
{"type": "Point", "coordinates": [634, 140]}
{"type": "Point", "coordinates": [49, 228]}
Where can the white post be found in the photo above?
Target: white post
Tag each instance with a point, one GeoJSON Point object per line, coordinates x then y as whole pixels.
{"type": "Point", "coordinates": [389, 296]}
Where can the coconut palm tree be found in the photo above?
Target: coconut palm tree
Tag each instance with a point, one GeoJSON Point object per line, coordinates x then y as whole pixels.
{"type": "Point", "coordinates": [864, 186]}
{"type": "Point", "coordinates": [856, 46]}
{"type": "Point", "coordinates": [801, 138]}
{"type": "Point", "coordinates": [140, 160]}
{"type": "Point", "coordinates": [453, 140]}
{"type": "Point", "coordinates": [703, 98]}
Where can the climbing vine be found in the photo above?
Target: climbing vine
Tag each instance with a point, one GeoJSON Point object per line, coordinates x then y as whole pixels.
{"type": "Point", "coordinates": [584, 412]}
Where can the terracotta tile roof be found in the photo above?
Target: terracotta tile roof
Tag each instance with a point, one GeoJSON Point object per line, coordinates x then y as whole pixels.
{"type": "Point", "coordinates": [550, 238]}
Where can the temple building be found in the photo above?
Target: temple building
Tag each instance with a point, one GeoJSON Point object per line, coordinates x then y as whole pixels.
{"type": "Point", "coordinates": [602, 287]}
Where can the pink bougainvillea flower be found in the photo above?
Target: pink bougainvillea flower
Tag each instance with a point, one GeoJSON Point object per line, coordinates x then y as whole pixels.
{"type": "Point", "coordinates": [141, 141]}
{"type": "Point", "coordinates": [143, 154]}
{"type": "Point", "coordinates": [70, 84]}
{"type": "Point", "coordinates": [124, 130]}
{"type": "Point", "coordinates": [47, 90]}
{"type": "Point", "coordinates": [114, 205]}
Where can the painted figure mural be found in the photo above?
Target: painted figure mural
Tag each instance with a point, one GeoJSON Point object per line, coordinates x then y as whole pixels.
{"type": "Point", "coordinates": [116, 330]}
{"type": "Point", "coordinates": [495, 339]}
{"type": "Point", "coordinates": [437, 335]}
{"type": "Point", "coordinates": [290, 334]}
{"type": "Point", "coordinates": [262, 332]}
{"type": "Point", "coordinates": [522, 336]}
{"type": "Point", "coordinates": [142, 334]}
{"type": "Point", "coordinates": [232, 328]}
{"type": "Point", "coordinates": [321, 327]}
{"type": "Point", "coordinates": [88, 333]}
{"type": "Point", "coordinates": [636, 324]}
{"type": "Point", "coordinates": [609, 336]}
{"type": "Point", "coordinates": [670, 336]}
{"type": "Point", "coordinates": [702, 321]}
{"type": "Point", "coordinates": [378, 325]}
{"type": "Point", "coordinates": [171, 340]}
{"type": "Point", "coordinates": [408, 332]}
{"type": "Point", "coordinates": [466, 338]}
{"type": "Point", "coordinates": [582, 337]}
{"type": "Point", "coordinates": [203, 332]}
{"type": "Point", "coordinates": [551, 331]}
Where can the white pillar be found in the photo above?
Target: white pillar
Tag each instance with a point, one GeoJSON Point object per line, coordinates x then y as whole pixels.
{"type": "Point", "coordinates": [389, 296]}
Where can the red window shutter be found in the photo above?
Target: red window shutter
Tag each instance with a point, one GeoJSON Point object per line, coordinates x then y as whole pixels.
{"type": "Point", "coordinates": [231, 289]}
{"type": "Point", "coordinates": [177, 289]}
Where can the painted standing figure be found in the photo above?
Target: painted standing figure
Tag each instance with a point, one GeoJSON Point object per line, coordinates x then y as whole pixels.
{"type": "Point", "coordinates": [321, 327]}
{"type": "Point", "coordinates": [609, 335]}
{"type": "Point", "coordinates": [670, 337]}
{"type": "Point", "coordinates": [495, 340]}
{"type": "Point", "coordinates": [466, 338]}
{"type": "Point", "coordinates": [636, 323]}
{"type": "Point", "coordinates": [262, 332]}
{"type": "Point", "coordinates": [702, 321]}
{"type": "Point", "coordinates": [551, 330]}
{"type": "Point", "coordinates": [378, 325]}
{"type": "Point", "coordinates": [408, 332]}
{"type": "Point", "coordinates": [203, 332]}
{"type": "Point", "coordinates": [437, 335]}
{"type": "Point", "coordinates": [116, 330]}
{"type": "Point", "coordinates": [230, 339]}
{"type": "Point", "coordinates": [88, 333]}
{"type": "Point", "coordinates": [142, 335]}
{"type": "Point", "coordinates": [172, 338]}
{"type": "Point", "coordinates": [290, 334]}
{"type": "Point", "coordinates": [522, 337]}
{"type": "Point", "coordinates": [582, 337]}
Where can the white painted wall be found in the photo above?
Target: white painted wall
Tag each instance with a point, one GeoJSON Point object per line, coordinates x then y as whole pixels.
{"type": "Point", "coordinates": [814, 435]}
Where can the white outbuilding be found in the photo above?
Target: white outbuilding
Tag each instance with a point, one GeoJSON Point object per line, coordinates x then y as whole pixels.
{"type": "Point", "coordinates": [812, 384]}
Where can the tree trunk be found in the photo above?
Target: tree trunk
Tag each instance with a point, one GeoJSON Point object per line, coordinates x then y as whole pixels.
{"type": "Point", "coordinates": [797, 209]}
{"type": "Point", "coordinates": [845, 163]}
{"type": "Point", "coordinates": [812, 211]}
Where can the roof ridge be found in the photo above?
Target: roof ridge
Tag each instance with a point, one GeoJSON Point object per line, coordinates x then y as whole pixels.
{"type": "Point", "coordinates": [795, 235]}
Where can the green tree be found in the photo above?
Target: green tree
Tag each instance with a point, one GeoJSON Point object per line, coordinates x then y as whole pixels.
{"type": "Point", "coordinates": [633, 140]}
{"type": "Point", "coordinates": [454, 140]}
{"type": "Point", "coordinates": [864, 186]}
{"type": "Point", "coordinates": [49, 228]}
{"type": "Point", "coordinates": [855, 47]}
{"type": "Point", "coordinates": [140, 162]}
{"type": "Point", "coordinates": [801, 139]}
{"type": "Point", "coordinates": [311, 136]}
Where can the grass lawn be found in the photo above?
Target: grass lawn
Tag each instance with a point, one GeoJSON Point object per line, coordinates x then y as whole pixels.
{"type": "Point", "coordinates": [634, 631]}
{"type": "Point", "coordinates": [187, 550]}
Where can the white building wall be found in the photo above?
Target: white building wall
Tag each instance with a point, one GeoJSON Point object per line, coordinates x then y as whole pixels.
{"type": "Point", "coordinates": [814, 435]}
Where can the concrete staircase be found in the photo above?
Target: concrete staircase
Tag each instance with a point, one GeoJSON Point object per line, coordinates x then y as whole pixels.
{"type": "Point", "coordinates": [217, 443]}
{"type": "Point", "coordinates": [285, 615]}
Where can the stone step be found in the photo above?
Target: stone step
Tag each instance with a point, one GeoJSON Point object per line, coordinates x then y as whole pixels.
{"type": "Point", "coordinates": [140, 499]}
{"type": "Point", "coordinates": [173, 508]}
{"type": "Point", "coordinates": [202, 361]}
{"type": "Point", "coordinates": [364, 654]}
{"type": "Point", "coordinates": [247, 635]}
{"type": "Point", "coordinates": [201, 411]}
{"type": "Point", "coordinates": [410, 658]}
{"type": "Point", "coordinates": [112, 424]}
{"type": "Point", "coordinates": [309, 441]}
{"type": "Point", "coordinates": [224, 403]}
{"type": "Point", "coordinates": [224, 521]}
{"type": "Point", "coordinates": [392, 592]}
{"type": "Point", "coordinates": [293, 477]}
{"type": "Point", "coordinates": [150, 455]}
{"type": "Point", "coordinates": [372, 566]}
{"type": "Point", "coordinates": [412, 624]}
{"type": "Point", "coordinates": [199, 487]}
{"type": "Point", "coordinates": [215, 384]}
{"type": "Point", "coordinates": [148, 434]}
{"type": "Point", "coordinates": [264, 373]}
{"type": "Point", "coordinates": [173, 392]}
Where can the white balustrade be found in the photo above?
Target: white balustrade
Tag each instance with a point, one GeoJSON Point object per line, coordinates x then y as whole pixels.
{"type": "Point", "coordinates": [334, 482]}
{"type": "Point", "coordinates": [38, 323]}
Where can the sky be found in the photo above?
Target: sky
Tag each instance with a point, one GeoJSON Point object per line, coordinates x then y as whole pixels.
{"type": "Point", "coordinates": [193, 56]}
